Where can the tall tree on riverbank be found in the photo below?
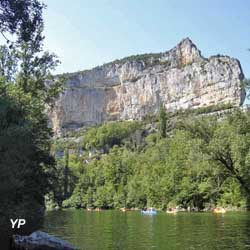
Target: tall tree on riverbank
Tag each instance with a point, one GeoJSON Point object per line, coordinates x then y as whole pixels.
{"type": "Point", "coordinates": [25, 93]}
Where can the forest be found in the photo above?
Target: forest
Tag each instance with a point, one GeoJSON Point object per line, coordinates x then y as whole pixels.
{"type": "Point", "coordinates": [196, 161]}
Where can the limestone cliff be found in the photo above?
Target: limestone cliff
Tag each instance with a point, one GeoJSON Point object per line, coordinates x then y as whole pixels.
{"type": "Point", "coordinates": [136, 86]}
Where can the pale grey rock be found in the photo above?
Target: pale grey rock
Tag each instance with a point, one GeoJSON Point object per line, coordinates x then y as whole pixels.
{"type": "Point", "coordinates": [131, 88]}
{"type": "Point", "coordinates": [40, 241]}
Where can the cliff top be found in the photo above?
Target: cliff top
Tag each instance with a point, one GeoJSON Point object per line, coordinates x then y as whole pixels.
{"type": "Point", "coordinates": [185, 48]}
{"type": "Point", "coordinates": [186, 42]}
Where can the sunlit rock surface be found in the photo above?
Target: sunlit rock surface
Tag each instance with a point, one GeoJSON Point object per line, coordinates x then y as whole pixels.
{"type": "Point", "coordinates": [133, 87]}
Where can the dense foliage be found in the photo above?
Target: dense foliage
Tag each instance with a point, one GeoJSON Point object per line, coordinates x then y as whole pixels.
{"type": "Point", "coordinates": [24, 154]}
{"type": "Point", "coordinates": [201, 163]}
{"type": "Point", "coordinates": [109, 134]}
{"type": "Point", "coordinates": [26, 165]}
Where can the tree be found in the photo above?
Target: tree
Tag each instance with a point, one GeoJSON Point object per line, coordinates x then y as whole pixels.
{"type": "Point", "coordinates": [227, 142]}
{"type": "Point", "coordinates": [24, 20]}
{"type": "Point", "coordinates": [230, 147]}
{"type": "Point", "coordinates": [21, 18]}
{"type": "Point", "coordinates": [23, 179]}
{"type": "Point", "coordinates": [26, 90]}
{"type": "Point", "coordinates": [163, 122]}
{"type": "Point", "coordinates": [8, 63]}
{"type": "Point", "coordinates": [66, 174]}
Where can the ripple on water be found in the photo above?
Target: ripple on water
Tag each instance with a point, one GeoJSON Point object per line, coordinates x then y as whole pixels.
{"type": "Point", "coordinates": [114, 230]}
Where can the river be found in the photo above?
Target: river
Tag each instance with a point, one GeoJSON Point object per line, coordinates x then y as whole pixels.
{"type": "Point", "coordinates": [115, 230]}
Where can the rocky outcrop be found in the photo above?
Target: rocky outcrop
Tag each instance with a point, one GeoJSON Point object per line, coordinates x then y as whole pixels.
{"type": "Point", "coordinates": [39, 241]}
{"type": "Point", "coordinates": [136, 86]}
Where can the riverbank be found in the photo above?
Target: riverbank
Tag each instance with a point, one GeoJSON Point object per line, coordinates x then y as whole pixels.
{"type": "Point", "coordinates": [227, 209]}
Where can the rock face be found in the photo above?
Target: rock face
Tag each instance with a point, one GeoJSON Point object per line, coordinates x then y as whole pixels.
{"type": "Point", "coordinates": [40, 241]}
{"type": "Point", "coordinates": [133, 87]}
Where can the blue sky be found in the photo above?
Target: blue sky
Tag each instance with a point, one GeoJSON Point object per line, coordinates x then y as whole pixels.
{"type": "Point", "coordinates": [85, 34]}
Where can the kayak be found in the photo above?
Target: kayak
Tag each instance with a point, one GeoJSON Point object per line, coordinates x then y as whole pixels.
{"type": "Point", "coordinates": [171, 212]}
{"type": "Point", "coordinates": [149, 212]}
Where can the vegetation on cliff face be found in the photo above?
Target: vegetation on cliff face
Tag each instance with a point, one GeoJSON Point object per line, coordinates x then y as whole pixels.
{"type": "Point", "coordinates": [199, 162]}
{"type": "Point", "coordinates": [25, 162]}
{"type": "Point", "coordinates": [148, 59]}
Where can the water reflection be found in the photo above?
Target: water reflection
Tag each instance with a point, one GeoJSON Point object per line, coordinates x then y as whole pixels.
{"type": "Point", "coordinates": [112, 230]}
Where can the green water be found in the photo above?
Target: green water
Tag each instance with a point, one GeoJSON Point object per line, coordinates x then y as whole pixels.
{"type": "Point", "coordinates": [113, 230]}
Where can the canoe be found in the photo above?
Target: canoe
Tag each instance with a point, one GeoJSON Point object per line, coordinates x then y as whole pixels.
{"type": "Point", "coordinates": [171, 212]}
{"type": "Point", "coordinates": [219, 210]}
{"type": "Point", "coordinates": [123, 209]}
